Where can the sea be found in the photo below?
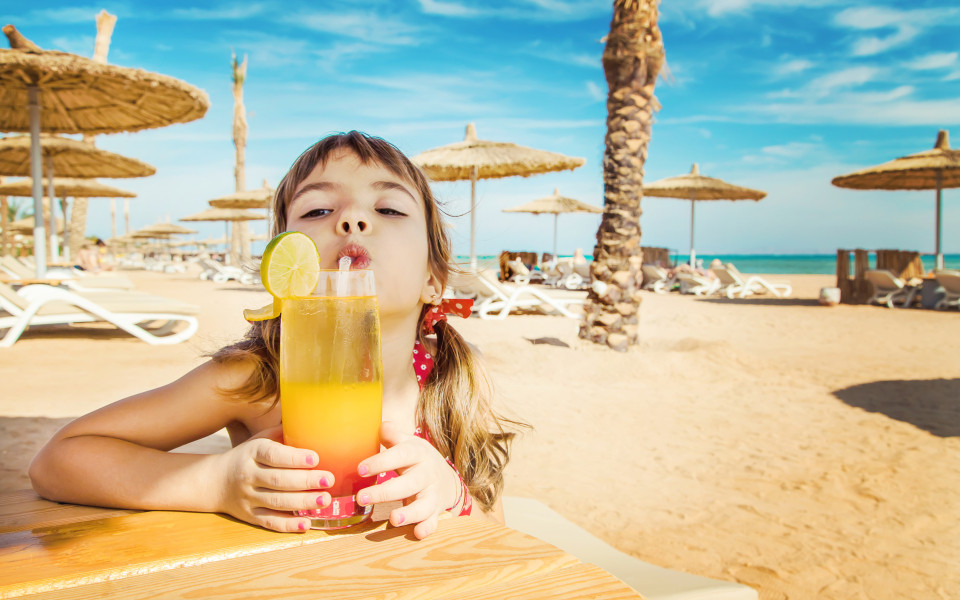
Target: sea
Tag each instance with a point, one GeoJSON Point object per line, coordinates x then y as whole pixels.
{"type": "Point", "coordinates": [787, 264]}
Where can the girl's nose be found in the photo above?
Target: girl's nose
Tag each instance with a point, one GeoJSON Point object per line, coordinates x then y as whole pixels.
{"type": "Point", "coordinates": [352, 222]}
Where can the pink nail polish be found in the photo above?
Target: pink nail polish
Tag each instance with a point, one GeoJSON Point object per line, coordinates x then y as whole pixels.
{"type": "Point", "coordinates": [400, 519]}
{"type": "Point", "coordinates": [363, 470]}
{"type": "Point", "coordinates": [320, 500]}
{"type": "Point", "coordinates": [310, 461]}
{"type": "Point", "coordinates": [302, 526]}
{"type": "Point", "coordinates": [364, 499]}
{"type": "Point", "coordinates": [324, 482]}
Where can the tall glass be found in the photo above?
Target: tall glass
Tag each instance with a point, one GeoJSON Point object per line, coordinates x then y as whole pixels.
{"type": "Point", "coordinates": [331, 385]}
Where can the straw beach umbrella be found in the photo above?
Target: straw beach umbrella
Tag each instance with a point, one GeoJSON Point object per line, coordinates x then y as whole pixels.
{"type": "Point", "coordinates": [931, 170]}
{"type": "Point", "coordinates": [227, 215]}
{"type": "Point", "coordinates": [259, 198]}
{"type": "Point", "coordinates": [697, 188]}
{"type": "Point", "coordinates": [474, 159]}
{"type": "Point", "coordinates": [555, 205]}
{"type": "Point", "coordinates": [63, 186]}
{"type": "Point", "coordinates": [57, 92]}
{"type": "Point", "coordinates": [68, 158]}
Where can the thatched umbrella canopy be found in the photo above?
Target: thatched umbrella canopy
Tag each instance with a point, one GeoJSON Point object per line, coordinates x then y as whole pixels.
{"type": "Point", "coordinates": [697, 188]}
{"type": "Point", "coordinates": [66, 186]}
{"type": "Point", "coordinates": [59, 92]}
{"type": "Point", "coordinates": [163, 229]}
{"type": "Point", "coordinates": [475, 159]}
{"type": "Point", "coordinates": [227, 215]}
{"type": "Point", "coordinates": [25, 226]}
{"type": "Point", "coordinates": [555, 205]}
{"type": "Point", "coordinates": [259, 198]}
{"type": "Point", "coordinates": [224, 214]}
{"type": "Point", "coordinates": [69, 158]}
{"type": "Point", "coordinates": [931, 170]}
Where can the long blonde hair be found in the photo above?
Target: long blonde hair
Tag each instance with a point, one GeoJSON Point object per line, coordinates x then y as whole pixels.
{"type": "Point", "coordinates": [455, 404]}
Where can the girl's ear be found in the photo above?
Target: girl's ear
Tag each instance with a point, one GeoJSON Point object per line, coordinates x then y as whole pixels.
{"type": "Point", "coordinates": [431, 292]}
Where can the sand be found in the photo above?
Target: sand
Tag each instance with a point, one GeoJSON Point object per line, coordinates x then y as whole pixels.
{"type": "Point", "coordinates": [806, 451]}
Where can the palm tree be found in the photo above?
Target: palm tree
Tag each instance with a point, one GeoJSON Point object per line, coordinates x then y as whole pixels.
{"type": "Point", "coordinates": [632, 59]}
{"type": "Point", "coordinates": [239, 245]}
{"type": "Point", "coordinates": [78, 216]}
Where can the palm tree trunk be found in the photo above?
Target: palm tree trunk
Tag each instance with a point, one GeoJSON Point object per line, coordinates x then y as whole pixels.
{"type": "Point", "coordinates": [78, 216]}
{"type": "Point", "coordinates": [631, 61]}
{"type": "Point", "coordinates": [240, 245]}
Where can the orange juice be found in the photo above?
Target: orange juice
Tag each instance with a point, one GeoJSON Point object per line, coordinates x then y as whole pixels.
{"type": "Point", "coordinates": [331, 393]}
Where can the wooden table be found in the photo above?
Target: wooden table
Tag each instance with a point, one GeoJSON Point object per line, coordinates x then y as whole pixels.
{"type": "Point", "coordinates": [60, 551]}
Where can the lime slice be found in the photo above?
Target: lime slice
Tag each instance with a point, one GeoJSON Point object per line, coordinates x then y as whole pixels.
{"type": "Point", "coordinates": [290, 265]}
{"type": "Point", "coordinates": [270, 311]}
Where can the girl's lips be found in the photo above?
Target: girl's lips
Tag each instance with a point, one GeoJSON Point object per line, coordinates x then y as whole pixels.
{"type": "Point", "coordinates": [357, 253]}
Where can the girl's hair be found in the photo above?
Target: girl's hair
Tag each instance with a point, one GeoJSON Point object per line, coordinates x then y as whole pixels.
{"type": "Point", "coordinates": [455, 404]}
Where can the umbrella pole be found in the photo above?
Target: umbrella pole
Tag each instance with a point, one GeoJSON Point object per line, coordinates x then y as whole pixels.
{"type": "Point", "coordinates": [36, 172]}
{"type": "Point", "coordinates": [54, 241]}
{"type": "Point", "coordinates": [693, 253]}
{"type": "Point", "coordinates": [939, 260]}
{"type": "Point", "coordinates": [473, 219]}
{"type": "Point", "coordinates": [556, 217]}
{"type": "Point", "coordinates": [113, 217]}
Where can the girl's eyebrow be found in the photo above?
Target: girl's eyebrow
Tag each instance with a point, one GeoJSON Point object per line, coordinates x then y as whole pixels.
{"type": "Point", "coordinates": [383, 186]}
{"type": "Point", "coordinates": [324, 186]}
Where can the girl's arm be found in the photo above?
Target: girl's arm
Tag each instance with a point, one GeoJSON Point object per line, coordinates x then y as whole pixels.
{"type": "Point", "coordinates": [119, 456]}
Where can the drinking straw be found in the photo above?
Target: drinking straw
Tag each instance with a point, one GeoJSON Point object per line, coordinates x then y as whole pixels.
{"type": "Point", "coordinates": [341, 329]}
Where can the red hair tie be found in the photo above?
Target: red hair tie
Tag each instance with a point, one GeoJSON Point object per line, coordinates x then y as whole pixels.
{"type": "Point", "coordinates": [451, 306]}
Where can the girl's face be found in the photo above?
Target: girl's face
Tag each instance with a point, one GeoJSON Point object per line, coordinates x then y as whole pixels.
{"type": "Point", "coordinates": [368, 213]}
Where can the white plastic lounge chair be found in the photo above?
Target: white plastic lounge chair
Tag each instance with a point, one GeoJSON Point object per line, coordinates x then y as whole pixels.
{"type": "Point", "coordinates": [34, 305]}
{"type": "Point", "coordinates": [519, 271]}
{"type": "Point", "coordinates": [652, 582]}
{"type": "Point", "coordinates": [696, 284]}
{"type": "Point", "coordinates": [735, 284]}
{"type": "Point", "coordinates": [950, 281]}
{"type": "Point", "coordinates": [214, 271]}
{"type": "Point", "coordinates": [72, 278]}
{"type": "Point", "coordinates": [656, 279]}
{"type": "Point", "coordinates": [495, 300]}
{"type": "Point", "coordinates": [888, 289]}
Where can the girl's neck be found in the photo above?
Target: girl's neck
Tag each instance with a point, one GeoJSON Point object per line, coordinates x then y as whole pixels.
{"type": "Point", "coordinates": [397, 337]}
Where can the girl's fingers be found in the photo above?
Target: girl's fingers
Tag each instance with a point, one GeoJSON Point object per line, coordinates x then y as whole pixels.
{"type": "Point", "coordinates": [274, 454]}
{"type": "Point", "coordinates": [283, 522]}
{"type": "Point", "coordinates": [287, 502]}
{"type": "Point", "coordinates": [426, 527]}
{"type": "Point", "coordinates": [398, 488]}
{"type": "Point", "coordinates": [292, 480]}
{"type": "Point", "coordinates": [398, 457]}
{"type": "Point", "coordinates": [418, 511]}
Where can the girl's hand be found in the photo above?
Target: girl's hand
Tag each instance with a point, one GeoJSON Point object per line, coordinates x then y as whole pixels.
{"type": "Point", "coordinates": [426, 483]}
{"type": "Point", "coordinates": [263, 481]}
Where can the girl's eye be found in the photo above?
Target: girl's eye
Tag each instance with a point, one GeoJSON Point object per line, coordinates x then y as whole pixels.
{"type": "Point", "coordinates": [316, 212]}
{"type": "Point", "coordinates": [391, 212]}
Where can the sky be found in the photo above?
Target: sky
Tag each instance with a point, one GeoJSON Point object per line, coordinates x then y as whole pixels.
{"type": "Point", "coordinates": [779, 95]}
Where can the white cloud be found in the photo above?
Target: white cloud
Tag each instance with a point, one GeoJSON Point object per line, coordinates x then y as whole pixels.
{"type": "Point", "coordinates": [61, 15]}
{"type": "Point", "coordinates": [366, 26]}
{"type": "Point", "coordinates": [952, 76]}
{"type": "Point", "coordinates": [446, 9]}
{"type": "Point", "coordinates": [857, 109]}
{"type": "Point", "coordinates": [906, 25]}
{"type": "Point", "coordinates": [936, 60]}
{"type": "Point", "coordinates": [790, 67]}
{"type": "Point", "coordinates": [520, 10]}
{"type": "Point", "coordinates": [719, 8]}
{"type": "Point", "coordinates": [229, 12]}
{"type": "Point", "coordinates": [595, 92]}
{"type": "Point", "coordinates": [790, 150]}
{"type": "Point", "coordinates": [845, 78]}
{"type": "Point", "coordinates": [81, 44]}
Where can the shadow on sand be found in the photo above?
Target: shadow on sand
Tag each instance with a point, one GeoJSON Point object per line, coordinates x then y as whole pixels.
{"type": "Point", "coordinates": [764, 301]}
{"type": "Point", "coordinates": [929, 404]}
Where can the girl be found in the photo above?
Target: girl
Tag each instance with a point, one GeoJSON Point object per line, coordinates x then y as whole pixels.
{"type": "Point", "coordinates": [356, 196]}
